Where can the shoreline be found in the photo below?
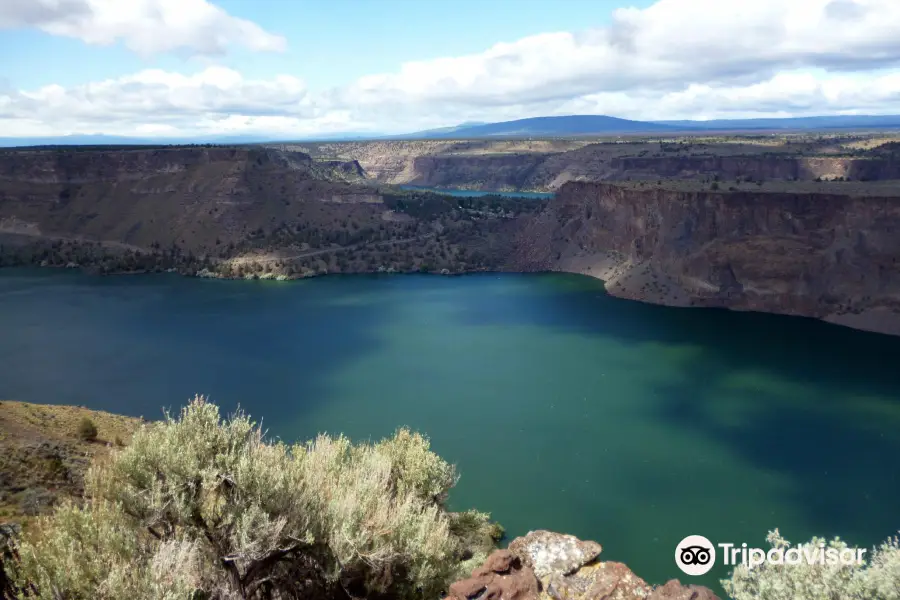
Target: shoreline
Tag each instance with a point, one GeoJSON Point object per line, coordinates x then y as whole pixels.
{"type": "Point", "coordinates": [617, 282]}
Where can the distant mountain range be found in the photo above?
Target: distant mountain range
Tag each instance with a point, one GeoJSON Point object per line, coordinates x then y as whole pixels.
{"type": "Point", "coordinates": [795, 123]}
{"type": "Point", "coordinates": [541, 126]}
{"type": "Point", "coordinates": [567, 126]}
{"type": "Point", "coordinates": [576, 125]}
{"type": "Point", "coordinates": [116, 140]}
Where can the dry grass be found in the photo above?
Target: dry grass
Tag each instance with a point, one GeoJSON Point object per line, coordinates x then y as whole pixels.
{"type": "Point", "coordinates": [60, 422]}
{"type": "Point", "coordinates": [42, 459]}
{"type": "Point", "coordinates": [871, 142]}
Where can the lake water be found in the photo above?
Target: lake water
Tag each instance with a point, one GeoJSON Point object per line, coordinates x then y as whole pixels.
{"type": "Point", "coordinates": [564, 408]}
{"type": "Point", "coordinates": [477, 193]}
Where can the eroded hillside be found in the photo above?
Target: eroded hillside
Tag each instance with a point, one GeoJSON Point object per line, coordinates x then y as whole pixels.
{"type": "Point", "coordinates": [230, 212]}
{"type": "Point", "coordinates": [195, 198]}
{"type": "Point", "coordinates": [545, 165]}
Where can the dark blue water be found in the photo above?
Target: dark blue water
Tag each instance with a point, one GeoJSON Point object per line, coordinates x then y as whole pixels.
{"type": "Point", "coordinates": [564, 408]}
{"type": "Point", "coordinates": [477, 193]}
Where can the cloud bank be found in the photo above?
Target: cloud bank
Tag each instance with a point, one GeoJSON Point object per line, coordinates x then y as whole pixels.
{"type": "Point", "coordinates": [145, 26]}
{"type": "Point", "coordinates": [676, 59]}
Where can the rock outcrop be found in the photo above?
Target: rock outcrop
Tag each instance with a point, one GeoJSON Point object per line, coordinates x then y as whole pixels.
{"type": "Point", "coordinates": [832, 257]}
{"type": "Point", "coordinates": [760, 166]}
{"type": "Point", "coordinates": [503, 576]}
{"type": "Point", "coordinates": [550, 566]}
{"type": "Point", "coordinates": [548, 553]}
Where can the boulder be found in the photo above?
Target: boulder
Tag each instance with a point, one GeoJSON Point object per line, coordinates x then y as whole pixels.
{"type": "Point", "coordinates": [674, 590]}
{"type": "Point", "coordinates": [615, 581]}
{"type": "Point", "coordinates": [550, 553]}
{"type": "Point", "coordinates": [597, 581]}
{"type": "Point", "coordinates": [502, 577]}
{"type": "Point", "coordinates": [565, 568]}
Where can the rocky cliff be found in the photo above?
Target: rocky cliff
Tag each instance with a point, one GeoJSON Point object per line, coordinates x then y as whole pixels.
{"type": "Point", "coordinates": [538, 171]}
{"type": "Point", "coordinates": [545, 165]}
{"type": "Point", "coordinates": [831, 257]}
{"type": "Point", "coordinates": [476, 164]}
{"type": "Point", "coordinates": [497, 172]}
{"type": "Point", "coordinates": [195, 198]}
{"type": "Point", "coordinates": [75, 167]}
{"type": "Point", "coordinates": [246, 211]}
{"type": "Point", "coordinates": [759, 167]}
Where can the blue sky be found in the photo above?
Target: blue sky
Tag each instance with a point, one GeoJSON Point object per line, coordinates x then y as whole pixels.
{"type": "Point", "coordinates": [330, 43]}
{"type": "Point", "coordinates": [194, 67]}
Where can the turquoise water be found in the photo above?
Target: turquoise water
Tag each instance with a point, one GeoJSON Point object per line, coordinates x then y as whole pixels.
{"type": "Point", "coordinates": [477, 193]}
{"type": "Point", "coordinates": [564, 408]}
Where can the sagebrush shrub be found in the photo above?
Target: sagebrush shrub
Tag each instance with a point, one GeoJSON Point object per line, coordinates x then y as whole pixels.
{"type": "Point", "coordinates": [87, 430]}
{"type": "Point", "coordinates": [878, 578]}
{"type": "Point", "coordinates": [201, 505]}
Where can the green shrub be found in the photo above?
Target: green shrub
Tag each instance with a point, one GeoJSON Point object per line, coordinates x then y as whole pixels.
{"type": "Point", "coordinates": [875, 579]}
{"type": "Point", "coordinates": [203, 507]}
{"type": "Point", "coordinates": [96, 552]}
{"type": "Point", "coordinates": [87, 430]}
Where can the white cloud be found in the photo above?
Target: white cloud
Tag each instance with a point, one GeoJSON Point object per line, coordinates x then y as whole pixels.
{"type": "Point", "coordinates": [669, 45]}
{"type": "Point", "coordinates": [675, 59]}
{"type": "Point", "coordinates": [144, 26]}
{"type": "Point", "coordinates": [156, 102]}
{"type": "Point", "coordinates": [160, 94]}
{"type": "Point", "coordinates": [793, 93]}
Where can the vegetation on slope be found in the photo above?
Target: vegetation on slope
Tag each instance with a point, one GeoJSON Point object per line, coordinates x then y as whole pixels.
{"type": "Point", "coordinates": [201, 507]}
{"type": "Point", "coordinates": [43, 458]}
{"type": "Point", "coordinates": [405, 231]}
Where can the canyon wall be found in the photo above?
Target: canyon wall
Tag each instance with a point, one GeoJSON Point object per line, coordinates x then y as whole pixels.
{"type": "Point", "coordinates": [74, 167]}
{"type": "Point", "coordinates": [830, 257]}
{"type": "Point", "coordinates": [235, 212]}
{"type": "Point", "coordinates": [527, 171]}
{"type": "Point", "coordinates": [759, 167]}
{"type": "Point", "coordinates": [197, 198]}
{"type": "Point", "coordinates": [496, 172]}
{"type": "Point", "coordinates": [538, 165]}
{"type": "Point", "coordinates": [533, 166]}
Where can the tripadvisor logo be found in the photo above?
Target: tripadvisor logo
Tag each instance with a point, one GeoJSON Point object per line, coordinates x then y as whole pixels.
{"type": "Point", "coordinates": [695, 555]}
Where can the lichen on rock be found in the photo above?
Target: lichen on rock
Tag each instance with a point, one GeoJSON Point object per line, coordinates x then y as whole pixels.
{"type": "Point", "coordinates": [544, 565]}
{"type": "Point", "coordinates": [548, 553]}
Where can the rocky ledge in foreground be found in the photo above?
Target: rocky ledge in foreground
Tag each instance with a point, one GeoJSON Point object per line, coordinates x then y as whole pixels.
{"type": "Point", "coordinates": [550, 566]}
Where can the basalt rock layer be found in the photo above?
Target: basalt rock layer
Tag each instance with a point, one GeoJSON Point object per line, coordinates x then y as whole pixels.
{"type": "Point", "coordinates": [196, 198]}
{"type": "Point", "coordinates": [759, 167]}
{"type": "Point", "coordinates": [832, 257]}
{"type": "Point", "coordinates": [544, 565]}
